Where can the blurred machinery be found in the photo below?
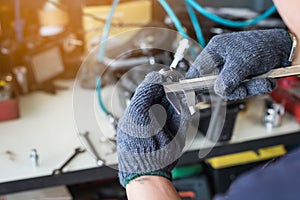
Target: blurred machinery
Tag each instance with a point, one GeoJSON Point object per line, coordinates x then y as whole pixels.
{"type": "Point", "coordinates": [35, 33]}
{"type": "Point", "coordinates": [122, 64]}
{"type": "Point", "coordinates": [46, 39]}
{"type": "Point", "coordinates": [29, 28]}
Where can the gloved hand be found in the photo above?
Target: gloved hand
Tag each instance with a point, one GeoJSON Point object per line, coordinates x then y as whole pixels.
{"type": "Point", "coordinates": [241, 55]}
{"type": "Point", "coordinates": [150, 134]}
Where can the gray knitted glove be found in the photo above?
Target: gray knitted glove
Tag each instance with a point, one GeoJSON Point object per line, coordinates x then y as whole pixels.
{"type": "Point", "coordinates": [241, 55]}
{"type": "Point", "coordinates": [150, 135]}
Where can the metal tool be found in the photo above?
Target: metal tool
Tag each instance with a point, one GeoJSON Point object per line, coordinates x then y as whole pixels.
{"type": "Point", "coordinates": [20, 73]}
{"type": "Point", "coordinates": [99, 161]}
{"type": "Point", "coordinates": [274, 113]}
{"type": "Point", "coordinates": [78, 151]}
{"type": "Point", "coordinates": [186, 87]}
{"type": "Point", "coordinates": [183, 46]}
{"type": "Point", "coordinates": [34, 158]}
{"type": "Point", "coordinates": [214, 131]}
{"type": "Point", "coordinates": [207, 82]}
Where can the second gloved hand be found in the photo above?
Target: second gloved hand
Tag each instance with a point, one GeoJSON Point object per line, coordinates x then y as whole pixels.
{"type": "Point", "coordinates": [241, 55]}
{"type": "Point", "coordinates": [150, 135]}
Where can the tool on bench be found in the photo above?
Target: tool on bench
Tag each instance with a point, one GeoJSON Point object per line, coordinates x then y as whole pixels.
{"type": "Point", "coordinates": [59, 171]}
{"type": "Point", "coordinates": [91, 147]}
{"type": "Point", "coordinates": [34, 158]}
{"type": "Point", "coordinates": [187, 87]}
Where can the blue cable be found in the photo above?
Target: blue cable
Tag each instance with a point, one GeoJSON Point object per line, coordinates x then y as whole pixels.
{"type": "Point", "coordinates": [191, 4]}
{"type": "Point", "coordinates": [173, 17]}
{"type": "Point", "coordinates": [101, 54]}
{"type": "Point", "coordinates": [98, 89]}
{"type": "Point", "coordinates": [230, 23]}
{"type": "Point", "coordinates": [106, 31]}
{"type": "Point", "coordinates": [177, 23]}
{"type": "Point", "coordinates": [196, 24]}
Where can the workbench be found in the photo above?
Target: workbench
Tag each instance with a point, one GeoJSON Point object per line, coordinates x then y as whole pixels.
{"type": "Point", "coordinates": [47, 124]}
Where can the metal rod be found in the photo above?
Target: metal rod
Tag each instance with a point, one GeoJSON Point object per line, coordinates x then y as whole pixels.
{"type": "Point", "coordinates": [77, 151]}
{"type": "Point", "coordinates": [92, 148]}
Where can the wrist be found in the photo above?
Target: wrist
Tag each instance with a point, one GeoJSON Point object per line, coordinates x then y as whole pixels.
{"type": "Point", "coordinates": [128, 178]}
{"type": "Point", "coordinates": [151, 187]}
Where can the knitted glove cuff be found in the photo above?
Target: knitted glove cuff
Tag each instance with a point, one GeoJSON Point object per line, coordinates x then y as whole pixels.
{"type": "Point", "coordinates": [128, 178]}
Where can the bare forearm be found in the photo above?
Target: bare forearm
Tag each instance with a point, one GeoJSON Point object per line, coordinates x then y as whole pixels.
{"type": "Point", "coordinates": [150, 188]}
{"type": "Point", "coordinates": [289, 11]}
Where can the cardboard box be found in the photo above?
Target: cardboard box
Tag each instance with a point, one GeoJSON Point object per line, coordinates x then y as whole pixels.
{"type": "Point", "coordinates": [136, 12]}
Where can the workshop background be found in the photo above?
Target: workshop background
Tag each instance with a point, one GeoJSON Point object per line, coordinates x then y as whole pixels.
{"type": "Point", "coordinates": [46, 44]}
